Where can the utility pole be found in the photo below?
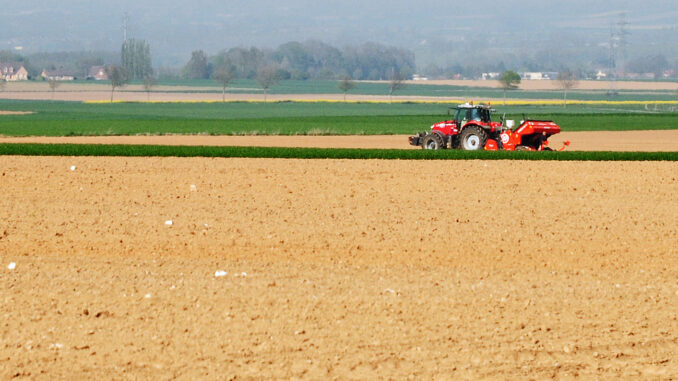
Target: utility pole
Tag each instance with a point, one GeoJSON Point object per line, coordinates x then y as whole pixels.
{"type": "Point", "coordinates": [125, 25]}
{"type": "Point", "coordinates": [612, 65]}
{"type": "Point", "coordinates": [618, 42]}
{"type": "Point", "coordinates": [623, 32]}
{"type": "Point", "coordinates": [612, 71]}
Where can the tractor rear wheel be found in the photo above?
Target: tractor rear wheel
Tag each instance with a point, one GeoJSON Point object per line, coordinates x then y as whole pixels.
{"type": "Point", "coordinates": [433, 141]}
{"type": "Point", "coordinates": [473, 138]}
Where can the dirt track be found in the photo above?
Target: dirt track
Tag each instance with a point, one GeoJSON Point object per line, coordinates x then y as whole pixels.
{"type": "Point", "coordinates": [580, 141]}
{"type": "Point", "coordinates": [337, 269]}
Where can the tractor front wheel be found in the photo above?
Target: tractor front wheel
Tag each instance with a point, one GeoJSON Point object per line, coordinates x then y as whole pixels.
{"type": "Point", "coordinates": [433, 141]}
{"type": "Point", "coordinates": [473, 138]}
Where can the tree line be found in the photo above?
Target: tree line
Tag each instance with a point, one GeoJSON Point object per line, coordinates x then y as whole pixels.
{"type": "Point", "coordinates": [318, 60]}
{"type": "Point", "coordinates": [308, 60]}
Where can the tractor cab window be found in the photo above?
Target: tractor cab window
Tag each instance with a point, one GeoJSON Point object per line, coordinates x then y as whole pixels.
{"type": "Point", "coordinates": [464, 115]}
{"type": "Point", "coordinates": [479, 115]}
{"type": "Point", "coordinates": [461, 114]}
{"type": "Point", "coordinates": [487, 116]}
{"type": "Point", "coordinates": [476, 114]}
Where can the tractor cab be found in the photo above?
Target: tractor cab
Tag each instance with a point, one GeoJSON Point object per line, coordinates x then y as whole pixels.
{"type": "Point", "coordinates": [468, 112]}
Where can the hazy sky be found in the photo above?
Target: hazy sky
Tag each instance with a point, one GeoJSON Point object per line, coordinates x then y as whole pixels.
{"type": "Point", "coordinates": [174, 28]}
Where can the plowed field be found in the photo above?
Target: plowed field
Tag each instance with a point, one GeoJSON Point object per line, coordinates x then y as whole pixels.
{"type": "Point", "coordinates": [665, 140]}
{"type": "Point", "coordinates": [31, 90]}
{"type": "Point", "coordinates": [337, 268]}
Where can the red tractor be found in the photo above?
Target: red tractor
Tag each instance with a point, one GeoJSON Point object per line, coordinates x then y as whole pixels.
{"type": "Point", "coordinates": [473, 129]}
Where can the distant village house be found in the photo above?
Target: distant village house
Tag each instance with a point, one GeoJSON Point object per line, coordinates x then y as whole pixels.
{"type": "Point", "coordinates": [488, 76]}
{"type": "Point", "coordinates": [538, 76]}
{"type": "Point", "coordinates": [97, 73]}
{"type": "Point", "coordinates": [57, 75]}
{"type": "Point", "coordinates": [10, 71]}
{"type": "Point", "coordinates": [535, 76]}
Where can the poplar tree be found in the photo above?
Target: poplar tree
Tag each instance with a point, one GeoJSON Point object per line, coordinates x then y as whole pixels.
{"type": "Point", "coordinates": [135, 58]}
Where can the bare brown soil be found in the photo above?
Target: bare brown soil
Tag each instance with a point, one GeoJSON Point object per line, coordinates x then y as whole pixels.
{"type": "Point", "coordinates": [666, 140]}
{"type": "Point", "coordinates": [101, 91]}
{"type": "Point", "coordinates": [103, 87]}
{"type": "Point", "coordinates": [66, 86]}
{"type": "Point", "coordinates": [337, 269]}
{"type": "Point", "coordinates": [661, 140]}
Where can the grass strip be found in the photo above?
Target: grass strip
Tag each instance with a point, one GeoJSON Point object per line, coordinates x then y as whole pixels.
{"type": "Point", "coordinates": [318, 153]}
{"type": "Point", "coordinates": [329, 125]}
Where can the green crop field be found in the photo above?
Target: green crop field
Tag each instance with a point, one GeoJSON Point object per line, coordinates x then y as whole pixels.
{"type": "Point", "coordinates": [319, 153]}
{"type": "Point", "coordinates": [290, 118]}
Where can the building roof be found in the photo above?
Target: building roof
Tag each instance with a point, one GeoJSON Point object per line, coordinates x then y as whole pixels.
{"type": "Point", "coordinates": [10, 67]}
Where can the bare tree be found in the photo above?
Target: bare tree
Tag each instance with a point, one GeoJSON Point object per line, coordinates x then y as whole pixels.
{"type": "Point", "coordinates": [396, 83]}
{"type": "Point", "coordinates": [118, 77]}
{"type": "Point", "coordinates": [509, 80]}
{"type": "Point", "coordinates": [53, 84]}
{"type": "Point", "coordinates": [148, 84]}
{"type": "Point", "coordinates": [567, 80]}
{"type": "Point", "coordinates": [267, 77]}
{"type": "Point", "coordinates": [346, 85]}
{"type": "Point", "coordinates": [224, 75]}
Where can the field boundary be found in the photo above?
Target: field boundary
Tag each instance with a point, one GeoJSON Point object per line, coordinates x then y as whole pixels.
{"type": "Point", "coordinates": [125, 150]}
{"type": "Point", "coordinates": [409, 100]}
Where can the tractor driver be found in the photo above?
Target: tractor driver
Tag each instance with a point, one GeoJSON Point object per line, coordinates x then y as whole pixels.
{"type": "Point", "coordinates": [475, 115]}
